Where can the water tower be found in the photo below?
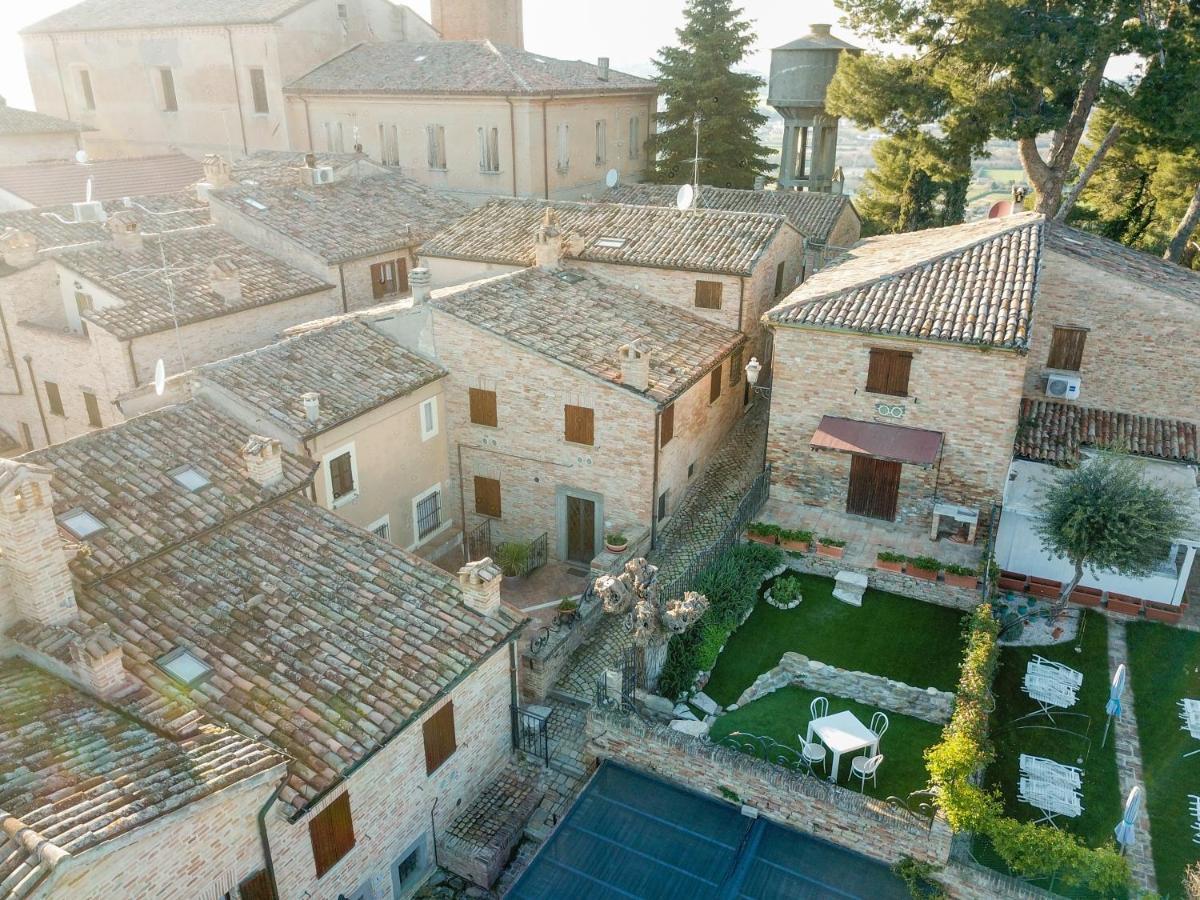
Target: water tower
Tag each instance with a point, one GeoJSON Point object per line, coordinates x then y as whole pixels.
{"type": "Point", "coordinates": [800, 76]}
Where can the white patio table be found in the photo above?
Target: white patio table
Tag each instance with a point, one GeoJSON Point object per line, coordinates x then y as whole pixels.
{"type": "Point", "coordinates": [842, 733]}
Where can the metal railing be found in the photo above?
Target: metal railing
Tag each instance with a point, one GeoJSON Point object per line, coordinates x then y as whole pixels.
{"type": "Point", "coordinates": [530, 733]}
{"type": "Point", "coordinates": [564, 621]}
{"type": "Point", "coordinates": [478, 541]}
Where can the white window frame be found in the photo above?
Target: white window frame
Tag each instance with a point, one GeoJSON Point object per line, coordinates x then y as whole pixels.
{"type": "Point", "coordinates": [435, 147]}
{"type": "Point", "coordinates": [635, 137]}
{"type": "Point", "coordinates": [328, 478]}
{"type": "Point", "coordinates": [335, 137]}
{"type": "Point", "coordinates": [389, 144]}
{"type": "Point", "coordinates": [432, 404]}
{"type": "Point", "coordinates": [381, 521]}
{"type": "Point", "coordinates": [601, 142]}
{"type": "Point", "coordinates": [416, 528]}
{"type": "Point", "coordinates": [564, 147]}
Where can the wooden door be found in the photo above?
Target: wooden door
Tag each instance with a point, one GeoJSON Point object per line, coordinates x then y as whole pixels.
{"type": "Point", "coordinates": [874, 487]}
{"type": "Point", "coordinates": [581, 529]}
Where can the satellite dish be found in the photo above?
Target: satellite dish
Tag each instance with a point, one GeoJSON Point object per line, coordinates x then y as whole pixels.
{"type": "Point", "coordinates": [160, 377]}
{"type": "Point", "coordinates": [685, 196]}
{"type": "Point", "coordinates": [613, 178]}
{"type": "Point", "coordinates": [81, 157]}
{"type": "Point", "coordinates": [1000, 209]}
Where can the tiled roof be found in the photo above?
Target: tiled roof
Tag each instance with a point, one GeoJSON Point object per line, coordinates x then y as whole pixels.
{"type": "Point", "coordinates": [324, 640]}
{"type": "Point", "coordinates": [54, 226]}
{"type": "Point", "coordinates": [78, 772]}
{"type": "Point", "coordinates": [1050, 431]}
{"type": "Point", "coordinates": [138, 280]}
{"type": "Point", "coordinates": [24, 121]}
{"type": "Point", "coordinates": [502, 231]}
{"type": "Point", "coordinates": [283, 167]}
{"type": "Point", "coordinates": [458, 67]}
{"type": "Point", "coordinates": [122, 476]}
{"type": "Point", "coordinates": [580, 320]}
{"type": "Point", "coordinates": [1109, 256]}
{"type": "Point", "coordinates": [101, 15]}
{"type": "Point", "coordinates": [349, 218]}
{"type": "Point", "coordinates": [59, 182]}
{"type": "Point", "coordinates": [813, 213]}
{"type": "Point", "coordinates": [350, 365]}
{"type": "Point", "coordinates": [967, 284]}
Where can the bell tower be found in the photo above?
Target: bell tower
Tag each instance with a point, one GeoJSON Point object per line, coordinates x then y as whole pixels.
{"type": "Point", "coordinates": [498, 21]}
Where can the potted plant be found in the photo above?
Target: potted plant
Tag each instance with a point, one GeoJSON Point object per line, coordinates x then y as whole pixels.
{"type": "Point", "coordinates": [615, 542]}
{"type": "Point", "coordinates": [924, 567]}
{"type": "Point", "coordinates": [796, 541]}
{"type": "Point", "coordinates": [960, 576]}
{"type": "Point", "coordinates": [890, 561]}
{"type": "Point", "coordinates": [762, 533]}
{"type": "Point", "coordinates": [829, 546]}
{"type": "Point", "coordinates": [568, 609]}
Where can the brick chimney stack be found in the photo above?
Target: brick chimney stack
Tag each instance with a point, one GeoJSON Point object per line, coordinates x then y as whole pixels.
{"type": "Point", "coordinates": [635, 365]}
{"type": "Point", "coordinates": [548, 242]}
{"type": "Point", "coordinates": [126, 231]}
{"type": "Point", "coordinates": [480, 584]}
{"type": "Point", "coordinates": [38, 578]}
{"type": "Point", "coordinates": [225, 281]}
{"type": "Point", "coordinates": [99, 662]}
{"type": "Point", "coordinates": [218, 173]}
{"type": "Point", "coordinates": [263, 457]}
{"type": "Point", "coordinates": [19, 248]}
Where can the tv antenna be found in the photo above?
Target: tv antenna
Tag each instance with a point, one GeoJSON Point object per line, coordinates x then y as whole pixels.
{"type": "Point", "coordinates": [696, 160]}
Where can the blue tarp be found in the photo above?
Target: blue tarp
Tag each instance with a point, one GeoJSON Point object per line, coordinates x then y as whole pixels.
{"type": "Point", "coordinates": [630, 835]}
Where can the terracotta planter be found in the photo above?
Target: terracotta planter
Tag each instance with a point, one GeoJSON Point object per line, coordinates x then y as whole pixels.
{"type": "Point", "coordinates": [885, 566]}
{"type": "Point", "coordinates": [1160, 612]}
{"type": "Point", "coordinates": [961, 581]}
{"type": "Point", "coordinates": [923, 574]}
{"type": "Point", "coordinates": [1085, 596]}
{"type": "Point", "coordinates": [768, 539]}
{"type": "Point", "coordinates": [795, 546]}
{"type": "Point", "coordinates": [1045, 588]}
{"type": "Point", "coordinates": [1124, 604]}
{"type": "Point", "coordinates": [1011, 581]}
{"type": "Point", "coordinates": [615, 548]}
{"type": "Point", "coordinates": [831, 551]}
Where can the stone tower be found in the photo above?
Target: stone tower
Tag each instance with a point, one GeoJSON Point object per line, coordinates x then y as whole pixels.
{"type": "Point", "coordinates": [498, 21]}
{"type": "Point", "coordinates": [800, 76]}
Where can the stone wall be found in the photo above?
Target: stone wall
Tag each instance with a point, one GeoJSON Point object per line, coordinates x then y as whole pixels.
{"type": "Point", "coordinates": [894, 582]}
{"type": "Point", "coordinates": [929, 704]}
{"type": "Point", "coordinates": [848, 818]}
{"type": "Point", "coordinates": [541, 666]}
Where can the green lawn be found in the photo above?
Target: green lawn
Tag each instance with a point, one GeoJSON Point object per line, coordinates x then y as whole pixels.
{"type": "Point", "coordinates": [1074, 742]}
{"type": "Point", "coordinates": [1164, 667]}
{"type": "Point", "coordinates": [907, 640]}
{"type": "Point", "coordinates": [784, 714]}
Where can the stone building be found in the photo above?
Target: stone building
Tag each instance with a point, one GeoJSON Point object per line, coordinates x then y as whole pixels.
{"type": "Point", "coordinates": [322, 700]}
{"type": "Point", "coordinates": [199, 76]}
{"type": "Point", "coordinates": [498, 21]}
{"type": "Point", "coordinates": [27, 136]}
{"type": "Point", "coordinates": [478, 118]}
{"type": "Point", "coordinates": [578, 406]}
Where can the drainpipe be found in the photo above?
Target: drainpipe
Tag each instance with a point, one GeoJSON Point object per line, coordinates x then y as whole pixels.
{"type": "Point", "coordinates": [342, 282]}
{"type": "Point", "coordinates": [462, 504]}
{"type": "Point", "coordinates": [132, 365]}
{"type": "Point", "coordinates": [38, 399]}
{"type": "Point", "coordinates": [741, 303]}
{"type": "Point", "coordinates": [308, 125]}
{"type": "Point", "coordinates": [545, 153]}
{"type": "Point", "coordinates": [512, 142]}
{"type": "Point", "coordinates": [262, 836]}
{"type": "Point", "coordinates": [62, 84]}
{"type": "Point", "coordinates": [654, 481]}
{"type": "Point", "coordinates": [12, 358]}
{"type": "Point", "coordinates": [237, 90]}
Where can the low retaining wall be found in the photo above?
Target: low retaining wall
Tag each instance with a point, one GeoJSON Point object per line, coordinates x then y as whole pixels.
{"type": "Point", "coordinates": [542, 664]}
{"type": "Point", "coordinates": [894, 582]}
{"type": "Point", "coordinates": [848, 818]}
{"type": "Point", "coordinates": [929, 704]}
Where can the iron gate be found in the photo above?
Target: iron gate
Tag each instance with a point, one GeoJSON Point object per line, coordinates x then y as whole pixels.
{"type": "Point", "coordinates": [530, 734]}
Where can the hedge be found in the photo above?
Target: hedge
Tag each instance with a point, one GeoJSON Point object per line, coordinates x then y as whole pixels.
{"type": "Point", "coordinates": [731, 584]}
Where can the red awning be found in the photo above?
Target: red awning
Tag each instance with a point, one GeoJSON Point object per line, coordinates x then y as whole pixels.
{"type": "Point", "coordinates": [916, 446]}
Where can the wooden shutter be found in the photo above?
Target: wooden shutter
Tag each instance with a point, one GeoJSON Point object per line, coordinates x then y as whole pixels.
{"type": "Point", "coordinates": [708, 294]}
{"type": "Point", "coordinates": [888, 372]}
{"type": "Point", "coordinates": [438, 731]}
{"type": "Point", "coordinates": [93, 409]}
{"type": "Point", "coordinates": [735, 367]}
{"type": "Point", "coordinates": [332, 834]}
{"type": "Point", "coordinates": [714, 385]}
{"type": "Point", "coordinates": [666, 428]}
{"type": "Point", "coordinates": [341, 476]}
{"type": "Point", "coordinates": [54, 398]}
{"type": "Point", "coordinates": [402, 276]}
{"type": "Point", "coordinates": [487, 497]}
{"type": "Point", "coordinates": [257, 887]}
{"type": "Point", "coordinates": [1066, 348]}
{"type": "Point", "coordinates": [874, 487]}
{"type": "Point", "coordinates": [378, 280]}
{"type": "Point", "coordinates": [779, 279]}
{"type": "Point", "coordinates": [483, 406]}
{"type": "Point", "coordinates": [578, 425]}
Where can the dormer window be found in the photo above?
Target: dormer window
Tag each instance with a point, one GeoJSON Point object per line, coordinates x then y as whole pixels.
{"type": "Point", "coordinates": [80, 523]}
{"type": "Point", "coordinates": [185, 667]}
{"type": "Point", "coordinates": [612, 243]}
{"type": "Point", "coordinates": [190, 477]}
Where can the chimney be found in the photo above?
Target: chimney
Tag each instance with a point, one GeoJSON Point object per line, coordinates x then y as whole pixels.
{"type": "Point", "coordinates": [38, 577]}
{"type": "Point", "coordinates": [99, 662]}
{"type": "Point", "coordinates": [126, 232]}
{"type": "Point", "coordinates": [760, 182]}
{"type": "Point", "coordinates": [820, 30]}
{"type": "Point", "coordinates": [19, 248]}
{"type": "Point", "coordinates": [224, 279]}
{"type": "Point", "coordinates": [312, 405]}
{"type": "Point", "coordinates": [602, 65]}
{"type": "Point", "coordinates": [419, 279]}
{"type": "Point", "coordinates": [480, 585]}
{"type": "Point", "coordinates": [310, 160]}
{"type": "Point", "coordinates": [548, 242]}
{"type": "Point", "coordinates": [264, 460]}
{"type": "Point", "coordinates": [218, 173]}
{"type": "Point", "coordinates": [635, 365]}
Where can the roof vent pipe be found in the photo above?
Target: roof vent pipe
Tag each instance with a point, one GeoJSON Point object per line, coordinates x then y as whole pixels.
{"type": "Point", "coordinates": [602, 65]}
{"type": "Point", "coordinates": [312, 405]}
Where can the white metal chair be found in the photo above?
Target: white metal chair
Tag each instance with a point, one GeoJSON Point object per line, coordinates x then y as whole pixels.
{"type": "Point", "coordinates": [814, 752]}
{"type": "Point", "coordinates": [879, 725]}
{"type": "Point", "coordinates": [1195, 809]}
{"type": "Point", "coordinates": [819, 708]}
{"type": "Point", "coordinates": [865, 767]}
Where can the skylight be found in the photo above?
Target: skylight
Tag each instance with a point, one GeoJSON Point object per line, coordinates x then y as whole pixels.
{"type": "Point", "coordinates": [569, 276]}
{"type": "Point", "coordinates": [615, 243]}
{"type": "Point", "coordinates": [184, 666]}
{"type": "Point", "coordinates": [250, 201]}
{"type": "Point", "coordinates": [191, 478]}
{"type": "Point", "coordinates": [81, 523]}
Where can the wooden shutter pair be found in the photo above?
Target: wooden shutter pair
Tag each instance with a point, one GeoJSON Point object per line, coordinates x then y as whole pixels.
{"type": "Point", "coordinates": [1066, 348]}
{"type": "Point", "coordinates": [666, 427]}
{"type": "Point", "coordinates": [578, 425]}
{"type": "Point", "coordinates": [708, 294]}
{"type": "Point", "coordinates": [332, 834]}
{"type": "Point", "coordinates": [889, 371]}
{"type": "Point", "coordinates": [714, 385]}
{"type": "Point", "coordinates": [483, 406]}
{"type": "Point", "coordinates": [341, 476]}
{"type": "Point", "coordinates": [438, 732]}
{"type": "Point", "coordinates": [487, 496]}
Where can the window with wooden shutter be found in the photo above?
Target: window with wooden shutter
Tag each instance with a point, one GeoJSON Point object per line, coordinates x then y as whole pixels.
{"type": "Point", "coordinates": [92, 405]}
{"type": "Point", "coordinates": [578, 424]}
{"type": "Point", "coordinates": [435, 140]}
{"type": "Point", "coordinates": [735, 367]}
{"type": "Point", "coordinates": [714, 385]}
{"type": "Point", "coordinates": [1066, 348]}
{"type": "Point", "coordinates": [258, 91]}
{"type": "Point", "coordinates": [341, 476]}
{"type": "Point", "coordinates": [483, 406]}
{"type": "Point", "coordinates": [708, 294]}
{"type": "Point", "coordinates": [666, 428]}
{"type": "Point", "coordinates": [888, 372]}
{"type": "Point", "coordinates": [779, 279]}
{"type": "Point", "coordinates": [438, 731]}
{"type": "Point", "coordinates": [54, 398]}
{"type": "Point", "coordinates": [257, 887]}
{"type": "Point", "coordinates": [166, 78]}
{"type": "Point", "coordinates": [332, 834]}
{"type": "Point", "coordinates": [85, 89]}
{"type": "Point", "coordinates": [487, 497]}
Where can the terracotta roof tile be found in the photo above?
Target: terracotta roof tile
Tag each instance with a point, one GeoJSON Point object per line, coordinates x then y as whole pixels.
{"type": "Point", "coordinates": [61, 182]}
{"type": "Point", "coordinates": [1050, 431]}
{"type": "Point", "coordinates": [24, 121]}
{"type": "Point", "coordinates": [1109, 256]}
{"type": "Point", "coordinates": [967, 284]}
{"type": "Point", "coordinates": [99, 15]}
{"type": "Point", "coordinates": [284, 167]}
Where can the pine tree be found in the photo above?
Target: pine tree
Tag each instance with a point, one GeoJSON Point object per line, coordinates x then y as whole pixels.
{"type": "Point", "coordinates": [698, 79]}
{"type": "Point", "coordinates": [912, 186]}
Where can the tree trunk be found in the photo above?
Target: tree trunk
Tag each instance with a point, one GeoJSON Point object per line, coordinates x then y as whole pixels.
{"type": "Point", "coordinates": [1187, 227]}
{"type": "Point", "coordinates": [1065, 597]}
{"type": "Point", "coordinates": [1093, 164]}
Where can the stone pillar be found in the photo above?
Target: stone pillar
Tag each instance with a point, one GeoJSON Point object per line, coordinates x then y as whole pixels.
{"type": "Point", "coordinates": [38, 577]}
{"type": "Point", "coordinates": [480, 585]}
{"type": "Point", "coordinates": [263, 457]}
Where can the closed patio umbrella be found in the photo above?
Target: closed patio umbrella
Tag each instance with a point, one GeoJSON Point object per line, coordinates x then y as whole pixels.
{"type": "Point", "coordinates": [1126, 830]}
{"type": "Point", "coordinates": [1113, 707]}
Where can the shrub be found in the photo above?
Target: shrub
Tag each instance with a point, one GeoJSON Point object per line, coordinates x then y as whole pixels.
{"type": "Point", "coordinates": [786, 589]}
{"type": "Point", "coordinates": [513, 557]}
{"type": "Point", "coordinates": [954, 569]}
{"type": "Point", "coordinates": [891, 556]}
{"type": "Point", "coordinates": [924, 562]}
{"type": "Point", "coordinates": [831, 541]}
{"type": "Point", "coordinates": [764, 529]}
{"type": "Point", "coordinates": [787, 534]}
{"type": "Point", "coordinates": [616, 539]}
{"type": "Point", "coordinates": [568, 604]}
{"type": "Point", "coordinates": [918, 878]}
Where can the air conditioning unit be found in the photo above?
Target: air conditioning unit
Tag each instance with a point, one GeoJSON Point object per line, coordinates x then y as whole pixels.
{"type": "Point", "coordinates": [322, 175]}
{"type": "Point", "coordinates": [89, 211]}
{"type": "Point", "coordinates": [1062, 386]}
